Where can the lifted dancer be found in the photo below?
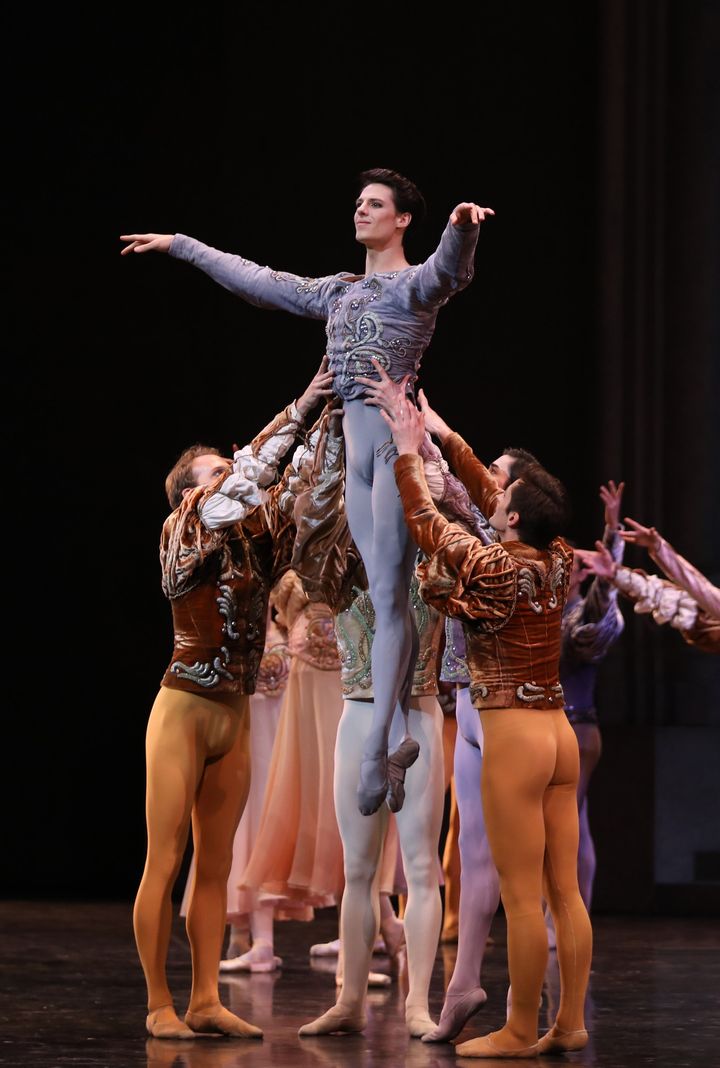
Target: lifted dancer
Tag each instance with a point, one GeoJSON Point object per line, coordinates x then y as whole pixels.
{"type": "Point", "coordinates": [389, 313]}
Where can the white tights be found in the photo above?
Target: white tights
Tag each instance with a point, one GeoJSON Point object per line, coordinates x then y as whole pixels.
{"type": "Point", "coordinates": [418, 824]}
{"type": "Point", "coordinates": [479, 883]}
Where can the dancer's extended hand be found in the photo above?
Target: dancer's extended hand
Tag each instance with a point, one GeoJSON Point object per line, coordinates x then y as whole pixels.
{"type": "Point", "coordinates": [599, 563]}
{"type": "Point", "coordinates": [407, 425]}
{"type": "Point", "coordinates": [146, 243]}
{"type": "Point", "coordinates": [611, 496]}
{"type": "Point", "coordinates": [434, 423]}
{"type": "Point", "coordinates": [467, 213]}
{"type": "Point", "coordinates": [385, 393]}
{"type": "Point", "coordinates": [320, 386]}
{"type": "Point", "coordinates": [647, 537]}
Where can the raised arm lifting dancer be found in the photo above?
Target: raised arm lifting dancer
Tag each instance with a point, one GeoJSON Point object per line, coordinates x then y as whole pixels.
{"type": "Point", "coordinates": [222, 546]}
{"type": "Point", "coordinates": [511, 596]}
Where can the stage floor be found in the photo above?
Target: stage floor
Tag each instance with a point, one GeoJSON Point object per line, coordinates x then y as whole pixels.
{"type": "Point", "coordinates": [73, 994]}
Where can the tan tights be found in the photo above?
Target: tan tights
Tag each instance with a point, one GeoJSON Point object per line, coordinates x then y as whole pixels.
{"type": "Point", "coordinates": [197, 768]}
{"type": "Point", "coordinates": [529, 785]}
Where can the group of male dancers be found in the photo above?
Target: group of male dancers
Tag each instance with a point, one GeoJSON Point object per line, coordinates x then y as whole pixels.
{"type": "Point", "coordinates": [233, 532]}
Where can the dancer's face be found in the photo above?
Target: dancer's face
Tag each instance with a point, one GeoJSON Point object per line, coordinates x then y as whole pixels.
{"type": "Point", "coordinates": [500, 470]}
{"type": "Point", "coordinates": [504, 519]}
{"type": "Point", "coordinates": [377, 220]}
{"type": "Point", "coordinates": [207, 467]}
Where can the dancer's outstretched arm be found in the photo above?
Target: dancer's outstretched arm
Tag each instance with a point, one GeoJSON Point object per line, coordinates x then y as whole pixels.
{"type": "Point", "coordinates": [676, 567]}
{"type": "Point", "coordinates": [261, 286]}
{"type": "Point", "coordinates": [450, 268]}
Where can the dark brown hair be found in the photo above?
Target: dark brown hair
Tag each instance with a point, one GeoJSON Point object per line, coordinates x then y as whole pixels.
{"type": "Point", "coordinates": [181, 476]}
{"type": "Point", "coordinates": [521, 459]}
{"type": "Point", "coordinates": [406, 195]}
{"type": "Point", "coordinates": [541, 501]}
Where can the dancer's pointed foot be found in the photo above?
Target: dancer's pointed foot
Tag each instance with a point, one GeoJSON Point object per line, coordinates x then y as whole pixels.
{"type": "Point", "coordinates": [258, 959]}
{"type": "Point", "coordinates": [373, 786]}
{"type": "Point", "coordinates": [165, 1023]}
{"type": "Point", "coordinates": [338, 1020]}
{"type": "Point", "coordinates": [456, 1012]}
{"type": "Point", "coordinates": [557, 1041]}
{"type": "Point", "coordinates": [494, 1046]}
{"type": "Point", "coordinates": [418, 1022]}
{"type": "Point", "coordinates": [397, 764]}
{"type": "Point", "coordinates": [325, 949]}
{"type": "Point", "coordinates": [217, 1020]}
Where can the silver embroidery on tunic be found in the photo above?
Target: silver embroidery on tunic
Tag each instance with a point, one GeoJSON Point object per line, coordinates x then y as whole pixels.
{"type": "Point", "coordinates": [206, 675]}
{"type": "Point", "coordinates": [307, 285]}
{"type": "Point", "coordinates": [228, 610]}
{"type": "Point", "coordinates": [478, 689]}
{"type": "Point", "coordinates": [557, 578]}
{"type": "Point", "coordinates": [529, 692]}
{"type": "Point", "coordinates": [363, 344]}
{"type": "Point", "coordinates": [526, 585]}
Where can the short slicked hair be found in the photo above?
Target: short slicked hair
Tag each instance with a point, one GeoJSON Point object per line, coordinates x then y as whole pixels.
{"type": "Point", "coordinates": [406, 195]}
{"type": "Point", "coordinates": [541, 501]}
{"type": "Point", "coordinates": [521, 459]}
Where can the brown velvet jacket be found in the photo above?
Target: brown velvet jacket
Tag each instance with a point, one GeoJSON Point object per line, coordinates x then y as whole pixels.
{"type": "Point", "coordinates": [509, 596]}
{"type": "Point", "coordinates": [218, 582]}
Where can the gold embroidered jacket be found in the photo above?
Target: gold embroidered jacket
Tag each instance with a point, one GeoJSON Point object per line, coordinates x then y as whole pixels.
{"type": "Point", "coordinates": [509, 596]}
{"type": "Point", "coordinates": [218, 580]}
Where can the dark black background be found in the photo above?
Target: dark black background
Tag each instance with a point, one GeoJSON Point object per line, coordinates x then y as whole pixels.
{"type": "Point", "coordinates": [246, 127]}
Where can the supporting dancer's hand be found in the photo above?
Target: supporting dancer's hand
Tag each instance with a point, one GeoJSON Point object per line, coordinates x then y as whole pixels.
{"type": "Point", "coordinates": [611, 496]}
{"type": "Point", "coordinates": [468, 213]}
{"type": "Point", "coordinates": [434, 423]}
{"type": "Point", "coordinates": [385, 393]}
{"type": "Point", "coordinates": [407, 425]}
{"type": "Point", "coordinates": [320, 386]}
{"type": "Point", "coordinates": [146, 243]}
{"type": "Point", "coordinates": [598, 563]}
{"type": "Point", "coordinates": [647, 537]}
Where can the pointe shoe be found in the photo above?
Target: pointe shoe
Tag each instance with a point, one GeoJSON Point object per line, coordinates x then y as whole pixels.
{"type": "Point", "coordinates": [334, 1022]}
{"type": "Point", "coordinates": [455, 1014]}
{"type": "Point", "coordinates": [557, 1041]}
{"type": "Point", "coordinates": [172, 1027]}
{"type": "Point", "coordinates": [369, 796]}
{"type": "Point", "coordinates": [397, 764]}
{"type": "Point", "coordinates": [486, 1048]}
{"type": "Point", "coordinates": [258, 959]}
{"type": "Point", "coordinates": [220, 1021]}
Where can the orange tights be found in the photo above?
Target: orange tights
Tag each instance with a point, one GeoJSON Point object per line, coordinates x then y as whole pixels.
{"type": "Point", "coordinates": [529, 786]}
{"type": "Point", "coordinates": [197, 769]}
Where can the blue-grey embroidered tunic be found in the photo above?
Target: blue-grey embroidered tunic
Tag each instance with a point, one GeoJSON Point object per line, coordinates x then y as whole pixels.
{"type": "Point", "coordinates": [388, 316]}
